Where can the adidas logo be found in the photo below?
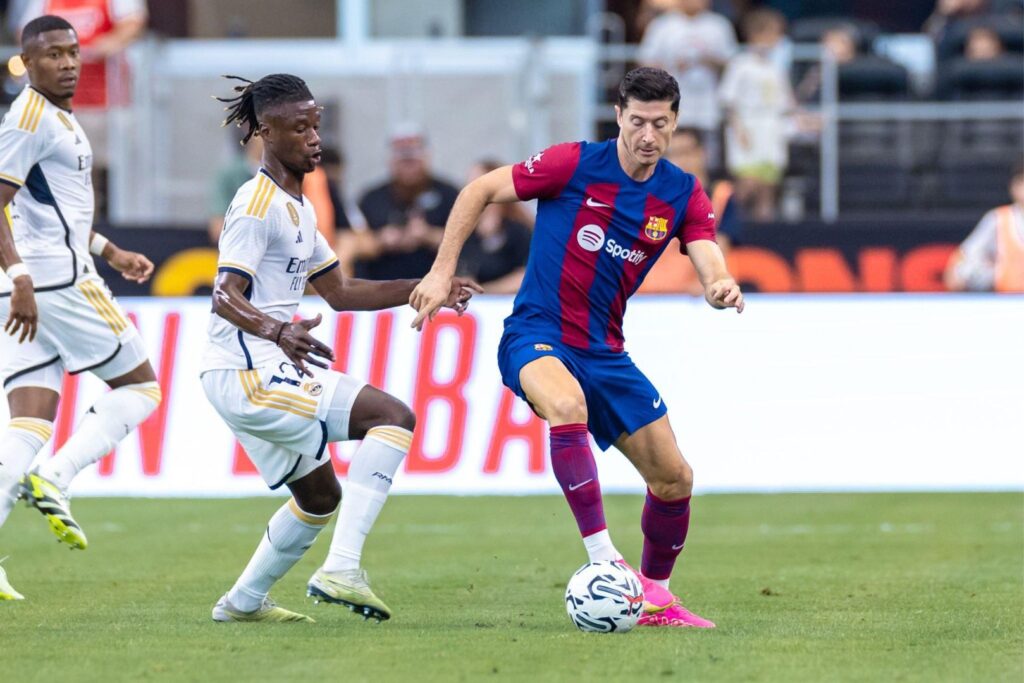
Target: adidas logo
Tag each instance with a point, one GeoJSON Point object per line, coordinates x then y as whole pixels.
{"type": "Point", "coordinates": [298, 238]}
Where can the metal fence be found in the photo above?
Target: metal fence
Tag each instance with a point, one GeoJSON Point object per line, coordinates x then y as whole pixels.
{"type": "Point", "coordinates": [872, 157]}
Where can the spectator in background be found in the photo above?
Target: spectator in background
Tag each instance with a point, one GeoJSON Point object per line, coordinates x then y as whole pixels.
{"type": "Point", "coordinates": [841, 43]}
{"type": "Point", "coordinates": [346, 214]}
{"type": "Point", "coordinates": [693, 44]}
{"type": "Point", "coordinates": [992, 256]}
{"type": "Point", "coordinates": [673, 272]}
{"type": "Point", "coordinates": [983, 44]}
{"type": "Point", "coordinates": [105, 29]}
{"type": "Point", "coordinates": [404, 216]}
{"type": "Point", "coordinates": [949, 12]}
{"type": "Point", "coordinates": [495, 254]}
{"type": "Point", "coordinates": [759, 105]}
{"type": "Point", "coordinates": [242, 167]}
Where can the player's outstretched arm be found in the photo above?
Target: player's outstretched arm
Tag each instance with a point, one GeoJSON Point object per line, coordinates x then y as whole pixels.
{"type": "Point", "coordinates": [24, 316]}
{"type": "Point", "coordinates": [293, 338]}
{"type": "Point", "coordinates": [132, 265]}
{"type": "Point", "coordinates": [351, 294]}
{"type": "Point", "coordinates": [720, 289]}
{"type": "Point", "coordinates": [433, 291]}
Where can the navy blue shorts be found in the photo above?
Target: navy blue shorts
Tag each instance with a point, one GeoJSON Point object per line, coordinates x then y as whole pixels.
{"type": "Point", "coordinates": [620, 398]}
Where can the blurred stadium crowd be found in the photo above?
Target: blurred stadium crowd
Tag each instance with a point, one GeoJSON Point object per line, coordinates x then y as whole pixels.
{"type": "Point", "coordinates": [907, 101]}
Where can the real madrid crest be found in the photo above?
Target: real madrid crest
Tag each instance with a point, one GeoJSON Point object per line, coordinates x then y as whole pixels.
{"type": "Point", "coordinates": [313, 388]}
{"type": "Point", "coordinates": [293, 213]}
{"type": "Point", "coordinates": [656, 228]}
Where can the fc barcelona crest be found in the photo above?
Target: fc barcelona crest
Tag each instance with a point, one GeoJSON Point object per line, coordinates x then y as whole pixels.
{"type": "Point", "coordinates": [293, 214]}
{"type": "Point", "coordinates": [657, 228]}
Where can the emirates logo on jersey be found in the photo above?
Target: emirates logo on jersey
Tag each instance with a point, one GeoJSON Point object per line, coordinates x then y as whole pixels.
{"type": "Point", "coordinates": [656, 228]}
{"type": "Point", "coordinates": [293, 213]}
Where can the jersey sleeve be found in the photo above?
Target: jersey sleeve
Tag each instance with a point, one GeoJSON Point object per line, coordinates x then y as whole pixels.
{"type": "Point", "coordinates": [324, 260]}
{"type": "Point", "coordinates": [699, 221]}
{"type": "Point", "coordinates": [243, 243]}
{"type": "Point", "coordinates": [20, 150]}
{"type": "Point", "coordinates": [545, 174]}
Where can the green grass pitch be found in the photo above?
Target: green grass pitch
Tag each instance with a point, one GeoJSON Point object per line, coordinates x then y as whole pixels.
{"type": "Point", "coordinates": [879, 587]}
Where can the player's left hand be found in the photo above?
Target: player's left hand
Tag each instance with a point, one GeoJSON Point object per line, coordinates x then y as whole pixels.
{"type": "Point", "coordinates": [462, 289]}
{"type": "Point", "coordinates": [428, 297]}
{"type": "Point", "coordinates": [132, 265]}
{"type": "Point", "coordinates": [724, 293]}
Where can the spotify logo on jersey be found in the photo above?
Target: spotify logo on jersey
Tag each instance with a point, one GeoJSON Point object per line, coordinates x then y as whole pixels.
{"type": "Point", "coordinates": [590, 237]}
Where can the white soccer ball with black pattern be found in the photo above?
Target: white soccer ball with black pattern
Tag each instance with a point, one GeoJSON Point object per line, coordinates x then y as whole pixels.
{"type": "Point", "coordinates": [604, 597]}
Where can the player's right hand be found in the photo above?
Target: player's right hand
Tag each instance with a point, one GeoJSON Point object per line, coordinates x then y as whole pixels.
{"type": "Point", "coordinates": [301, 347]}
{"type": "Point", "coordinates": [24, 315]}
{"type": "Point", "coordinates": [725, 293]}
{"type": "Point", "coordinates": [428, 297]}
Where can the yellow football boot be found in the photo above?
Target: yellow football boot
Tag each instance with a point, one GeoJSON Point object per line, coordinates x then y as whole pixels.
{"type": "Point", "coordinates": [350, 588]}
{"type": "Point", "coordinates": [7, 591]}
{"type": "Point", "coordinates": [45, 496]}
{"type": "Point", "coordinates": [268, 612]}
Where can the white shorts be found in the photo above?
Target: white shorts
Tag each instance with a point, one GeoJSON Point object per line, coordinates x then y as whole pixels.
{"type": "Point", "coordinates": [284, 421]}
{"type": "Point", "coordinates": [81, 328]}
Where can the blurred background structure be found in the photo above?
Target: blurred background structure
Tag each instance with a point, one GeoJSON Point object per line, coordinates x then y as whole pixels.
{"type": "Point", "coordinates": [860, 130]}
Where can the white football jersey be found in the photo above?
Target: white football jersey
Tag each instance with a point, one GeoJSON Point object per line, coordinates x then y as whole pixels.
{"type": "Point", "coordinates": [44, 153]}
{"type": "Point", "coordinates": [269, 238]}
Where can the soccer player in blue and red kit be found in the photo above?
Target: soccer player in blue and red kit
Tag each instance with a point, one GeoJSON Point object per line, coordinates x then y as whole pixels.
{"type": "Point", "coordinates": [606, 211]}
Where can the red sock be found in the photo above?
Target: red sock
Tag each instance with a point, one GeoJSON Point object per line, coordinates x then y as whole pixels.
{"type": "Point", "coordinates": [664, 523]}
{"type": "Point", "coordinates": [573, 464]}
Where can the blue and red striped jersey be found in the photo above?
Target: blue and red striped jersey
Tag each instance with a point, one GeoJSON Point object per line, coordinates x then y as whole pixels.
{"type": "Point", "coordinates": [598, 232]}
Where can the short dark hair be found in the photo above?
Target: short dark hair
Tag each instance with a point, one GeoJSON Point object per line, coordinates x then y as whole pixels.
{"type": "Point", "coordinates": [47, 22]}
{"type": "Point", "coordinates": [255, 97]}
{"type": "Point", "coordinates": [649, 84]}
{"type": "Point", "coordinates": [692, 132]}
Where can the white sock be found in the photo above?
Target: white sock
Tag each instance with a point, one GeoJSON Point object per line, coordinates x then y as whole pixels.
{"type": "Point", "coordinates": [289, 535]}
{"type": "Point", "coordinates": [661, 582]}
{"type": "Point", "coordinates": [110, 419]}
{"type": "Point", "coordinates": [599, 547]}
{"type": "Point", "coordinates": [369, 479]}
{"type": "Point", "coordinates": [19, 444]}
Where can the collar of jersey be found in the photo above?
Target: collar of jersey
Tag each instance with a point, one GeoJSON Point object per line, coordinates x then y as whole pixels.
{"type": "Point", "coordinates": [264, 172]}
{"type": "Point", "coordinates": [614, 150]}
{"type": "Point", "coordinates": [40, 93]}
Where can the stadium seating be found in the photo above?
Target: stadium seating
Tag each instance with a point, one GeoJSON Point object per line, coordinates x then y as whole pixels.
{"type": "Point", "coordinates": [995, 79]}
{"type": "Point", "coordinates": [1009, 28]}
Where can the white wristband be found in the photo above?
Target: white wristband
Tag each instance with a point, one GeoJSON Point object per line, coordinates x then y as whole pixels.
{"type": "Point", "coordinates": [17, 270]}
{"type": "Point", "coordinates": [98, 244]}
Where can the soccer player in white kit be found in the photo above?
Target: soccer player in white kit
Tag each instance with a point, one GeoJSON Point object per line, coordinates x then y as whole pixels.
{"type": "Point", "coordinates": [58, 312]}
{"type": "Point", "coordinates": [257, 374]}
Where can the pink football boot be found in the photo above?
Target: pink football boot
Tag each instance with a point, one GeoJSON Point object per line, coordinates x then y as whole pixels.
{"type": "Point", "coordinates": [674, 615]}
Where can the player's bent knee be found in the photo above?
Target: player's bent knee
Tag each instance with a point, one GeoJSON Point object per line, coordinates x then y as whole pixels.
{"type": "Point", "coordinates": [322, 502]}
{"type": "Point", "coordinates": [383, 410]}
{"type": "Point", "coordinates": [405, 418]}
{"type": "Point", "coordinates": [567, 409]}
{"type": "Point", "coordinates": [674, 484]}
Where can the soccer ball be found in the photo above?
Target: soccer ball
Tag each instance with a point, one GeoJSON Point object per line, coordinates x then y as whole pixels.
{"type": "Point", "coordinates": [603, 597]}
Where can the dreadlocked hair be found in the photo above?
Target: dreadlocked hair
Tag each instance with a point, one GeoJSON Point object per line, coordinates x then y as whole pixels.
{"type": "Point", "coordinates": [254, 97]}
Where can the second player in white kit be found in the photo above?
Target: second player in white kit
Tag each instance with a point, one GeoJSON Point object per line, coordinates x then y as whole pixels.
{"type": "Point", "coordinates": [58, 313]}
{"type": "Point", "coordinates": [268, 377]}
